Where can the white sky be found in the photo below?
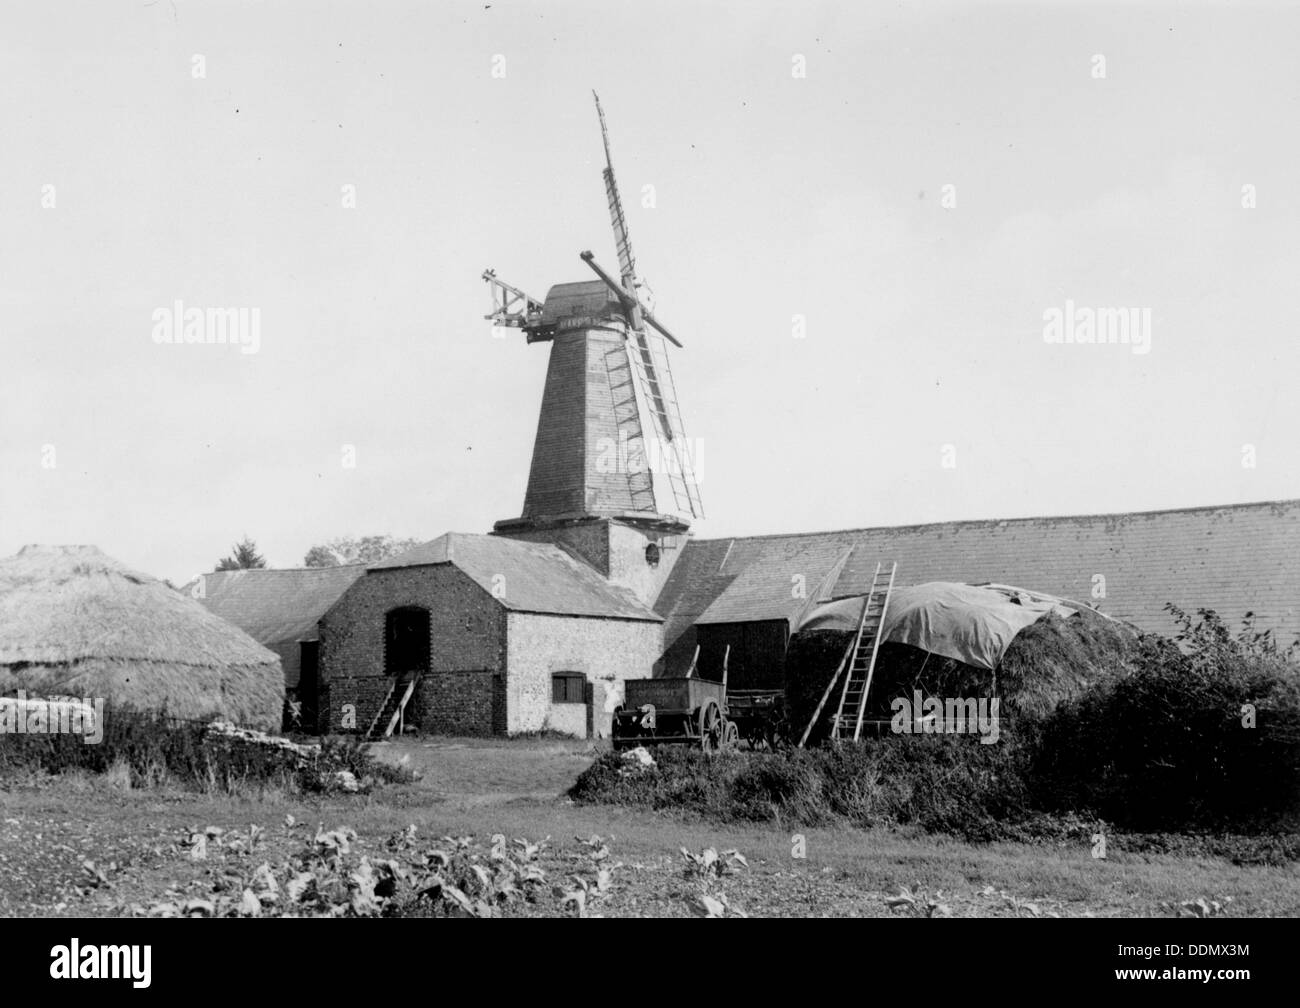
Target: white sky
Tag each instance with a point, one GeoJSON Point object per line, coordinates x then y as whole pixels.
{"type": "Point", "coordinates": [776, 196]}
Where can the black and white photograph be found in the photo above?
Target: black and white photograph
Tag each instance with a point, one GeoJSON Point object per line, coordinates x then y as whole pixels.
{"type": "Point", "coordinates": [574, 459]}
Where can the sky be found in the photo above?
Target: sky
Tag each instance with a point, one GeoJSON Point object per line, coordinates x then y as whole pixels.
{"type": "Point", "coordinates": [859, 220]}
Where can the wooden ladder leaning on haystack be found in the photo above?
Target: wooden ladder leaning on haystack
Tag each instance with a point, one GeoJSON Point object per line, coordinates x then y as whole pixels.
{"type": "Point", "coordinates": [394, 706]}
{"type": "Point", "coordinates": [858, 664]}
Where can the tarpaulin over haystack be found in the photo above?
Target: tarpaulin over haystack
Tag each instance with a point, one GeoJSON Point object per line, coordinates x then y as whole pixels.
{"type": "Point", "coordinates": [968, 623]}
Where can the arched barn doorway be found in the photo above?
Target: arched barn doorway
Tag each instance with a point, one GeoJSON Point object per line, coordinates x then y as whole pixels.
{"type": "Point", "coordinates": [406, 654]}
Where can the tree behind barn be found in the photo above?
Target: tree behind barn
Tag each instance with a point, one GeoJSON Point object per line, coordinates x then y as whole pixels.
{"type": "Point", "coordinates": [365, 550]}
{"type": "Point", "coordinates": [243, 556]}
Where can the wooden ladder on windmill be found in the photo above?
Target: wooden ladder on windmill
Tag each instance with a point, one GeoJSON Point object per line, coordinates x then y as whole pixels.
{"type": "Point", "coordinates": [648, 360]}
{"type": "Point", "coordinates": [853, 676]}
{"type": "Point", "coordinates": [631, 449]}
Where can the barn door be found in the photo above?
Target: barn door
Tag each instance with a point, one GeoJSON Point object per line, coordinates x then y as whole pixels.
{"type": "Point", "coordinates": [309, 684]}
{"type": "Point", "coordinates": [407, 642]}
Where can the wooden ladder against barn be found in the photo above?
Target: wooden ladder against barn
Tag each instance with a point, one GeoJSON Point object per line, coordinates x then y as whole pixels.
{"type": "Point", "coordinates": [853, 676]}
{"type": "Point", "coordinates": [862, 664]}
{"type": "Point", "coordinates": [392, 711]}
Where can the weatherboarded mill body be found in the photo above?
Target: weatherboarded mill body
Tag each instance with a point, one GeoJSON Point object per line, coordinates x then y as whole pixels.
{"type": "Point", "coordinates": [538, 624]}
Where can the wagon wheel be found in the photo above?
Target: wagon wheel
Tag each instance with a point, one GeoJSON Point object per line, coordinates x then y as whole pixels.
{"type": "Point", "coordinates": [731, 735]}
{"type": "Point", "coordinates": [710, 727]}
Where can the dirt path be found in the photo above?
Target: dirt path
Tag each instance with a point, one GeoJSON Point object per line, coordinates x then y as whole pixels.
{"type": "Point", "coordinates": [490, 771]}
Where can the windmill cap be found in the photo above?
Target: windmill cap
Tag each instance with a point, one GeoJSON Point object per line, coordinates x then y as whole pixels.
{"type": "Point", "coordinates": [586, 297]}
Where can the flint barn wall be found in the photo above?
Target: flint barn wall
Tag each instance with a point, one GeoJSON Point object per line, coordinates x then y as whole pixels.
{"type": "Point", "coordinates": [606, 651]}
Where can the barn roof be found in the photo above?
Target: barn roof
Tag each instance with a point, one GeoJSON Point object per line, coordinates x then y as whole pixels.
{"type": "Point", "coordinates": [527, 576]}
{"type": "Point", "coordinates": [275, 606]}
{"type": "Point", "coordinates": [1233, 559]}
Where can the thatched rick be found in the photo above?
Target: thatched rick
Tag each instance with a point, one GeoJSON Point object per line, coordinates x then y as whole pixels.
{"type": "Point", "coordinates": [77, 623]}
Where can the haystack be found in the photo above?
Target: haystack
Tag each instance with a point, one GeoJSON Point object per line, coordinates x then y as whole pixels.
{"type": "Point", "coordinates": [1047, 662]}
{"type": "Point", "coordinates": [74, 622]}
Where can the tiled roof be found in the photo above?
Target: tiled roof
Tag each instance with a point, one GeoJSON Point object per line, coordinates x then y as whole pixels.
{"type": "Point", "coordinates": [527, 576]}
{"type": "Point", "coordinates": [696, 580]}
{"type": "Point", "coordinates": [276, 606]}
{"type": "Point", "coordinates": [1232, 559]}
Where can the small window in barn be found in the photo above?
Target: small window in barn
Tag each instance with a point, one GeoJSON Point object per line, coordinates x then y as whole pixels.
{"type": "Point", "coordinates": [568, 687]}
{"type": "Point", "coordinates": [652, 554]}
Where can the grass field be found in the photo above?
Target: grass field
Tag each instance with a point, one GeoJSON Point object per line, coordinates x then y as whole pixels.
{"type": "Point", "coordinates": [75, 846]}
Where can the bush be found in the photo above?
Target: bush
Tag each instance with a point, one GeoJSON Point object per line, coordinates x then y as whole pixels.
{"type": "Point", "coordinates": [941, 782]}
{"type": "Point", "coordinates": [1170, 746]}
{"type": "Point", "coordinates": [147, 743]}
{"type": "Point", "coordinates": [141, 749]}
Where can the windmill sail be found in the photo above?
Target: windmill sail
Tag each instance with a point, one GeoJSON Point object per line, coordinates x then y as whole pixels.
{"type": "Point", "coordinates": [660, 394]}
{"type": "Point", "coordinates": [648, 358]}
{"type": "Point", "coordinates": [622, 241]}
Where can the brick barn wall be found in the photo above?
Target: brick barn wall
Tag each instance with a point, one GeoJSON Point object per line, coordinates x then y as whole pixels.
{"type": "Point", "coordinates": [349, 705]}
{"type": "Point", "coordinates": [606, 651]}
{"type": "Point", "coordinates": [466, 641]}
{"type": "Point", "coordinates": [471, 702]}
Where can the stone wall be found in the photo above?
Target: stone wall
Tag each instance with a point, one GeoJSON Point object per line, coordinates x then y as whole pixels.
{"type": "Point", "coordinates": [569, 718]}
{"type": "Point", "coordinates": [606, 651]}
{"type": "Point", "coordinates": [627, 559]}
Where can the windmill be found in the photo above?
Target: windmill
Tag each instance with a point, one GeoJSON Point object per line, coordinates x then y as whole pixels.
{"type": "Point", "coordinates": [609, 381]}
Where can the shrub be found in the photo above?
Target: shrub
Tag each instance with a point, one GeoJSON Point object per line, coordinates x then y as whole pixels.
{"type": "Point", "coordinates": [141, 741]}
{"type": "Point", "coordinates": [790, 786]}
{"type": "Point", "coordinates": [941, 782]}
{"type": "Point", "coordinates": [143, 749]}
{"type": "Point", "coordinates": [1170, 746]}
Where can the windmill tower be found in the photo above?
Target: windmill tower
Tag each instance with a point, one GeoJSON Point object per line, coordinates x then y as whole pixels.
{"type": "Point", "coordinates": [612, 471]}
